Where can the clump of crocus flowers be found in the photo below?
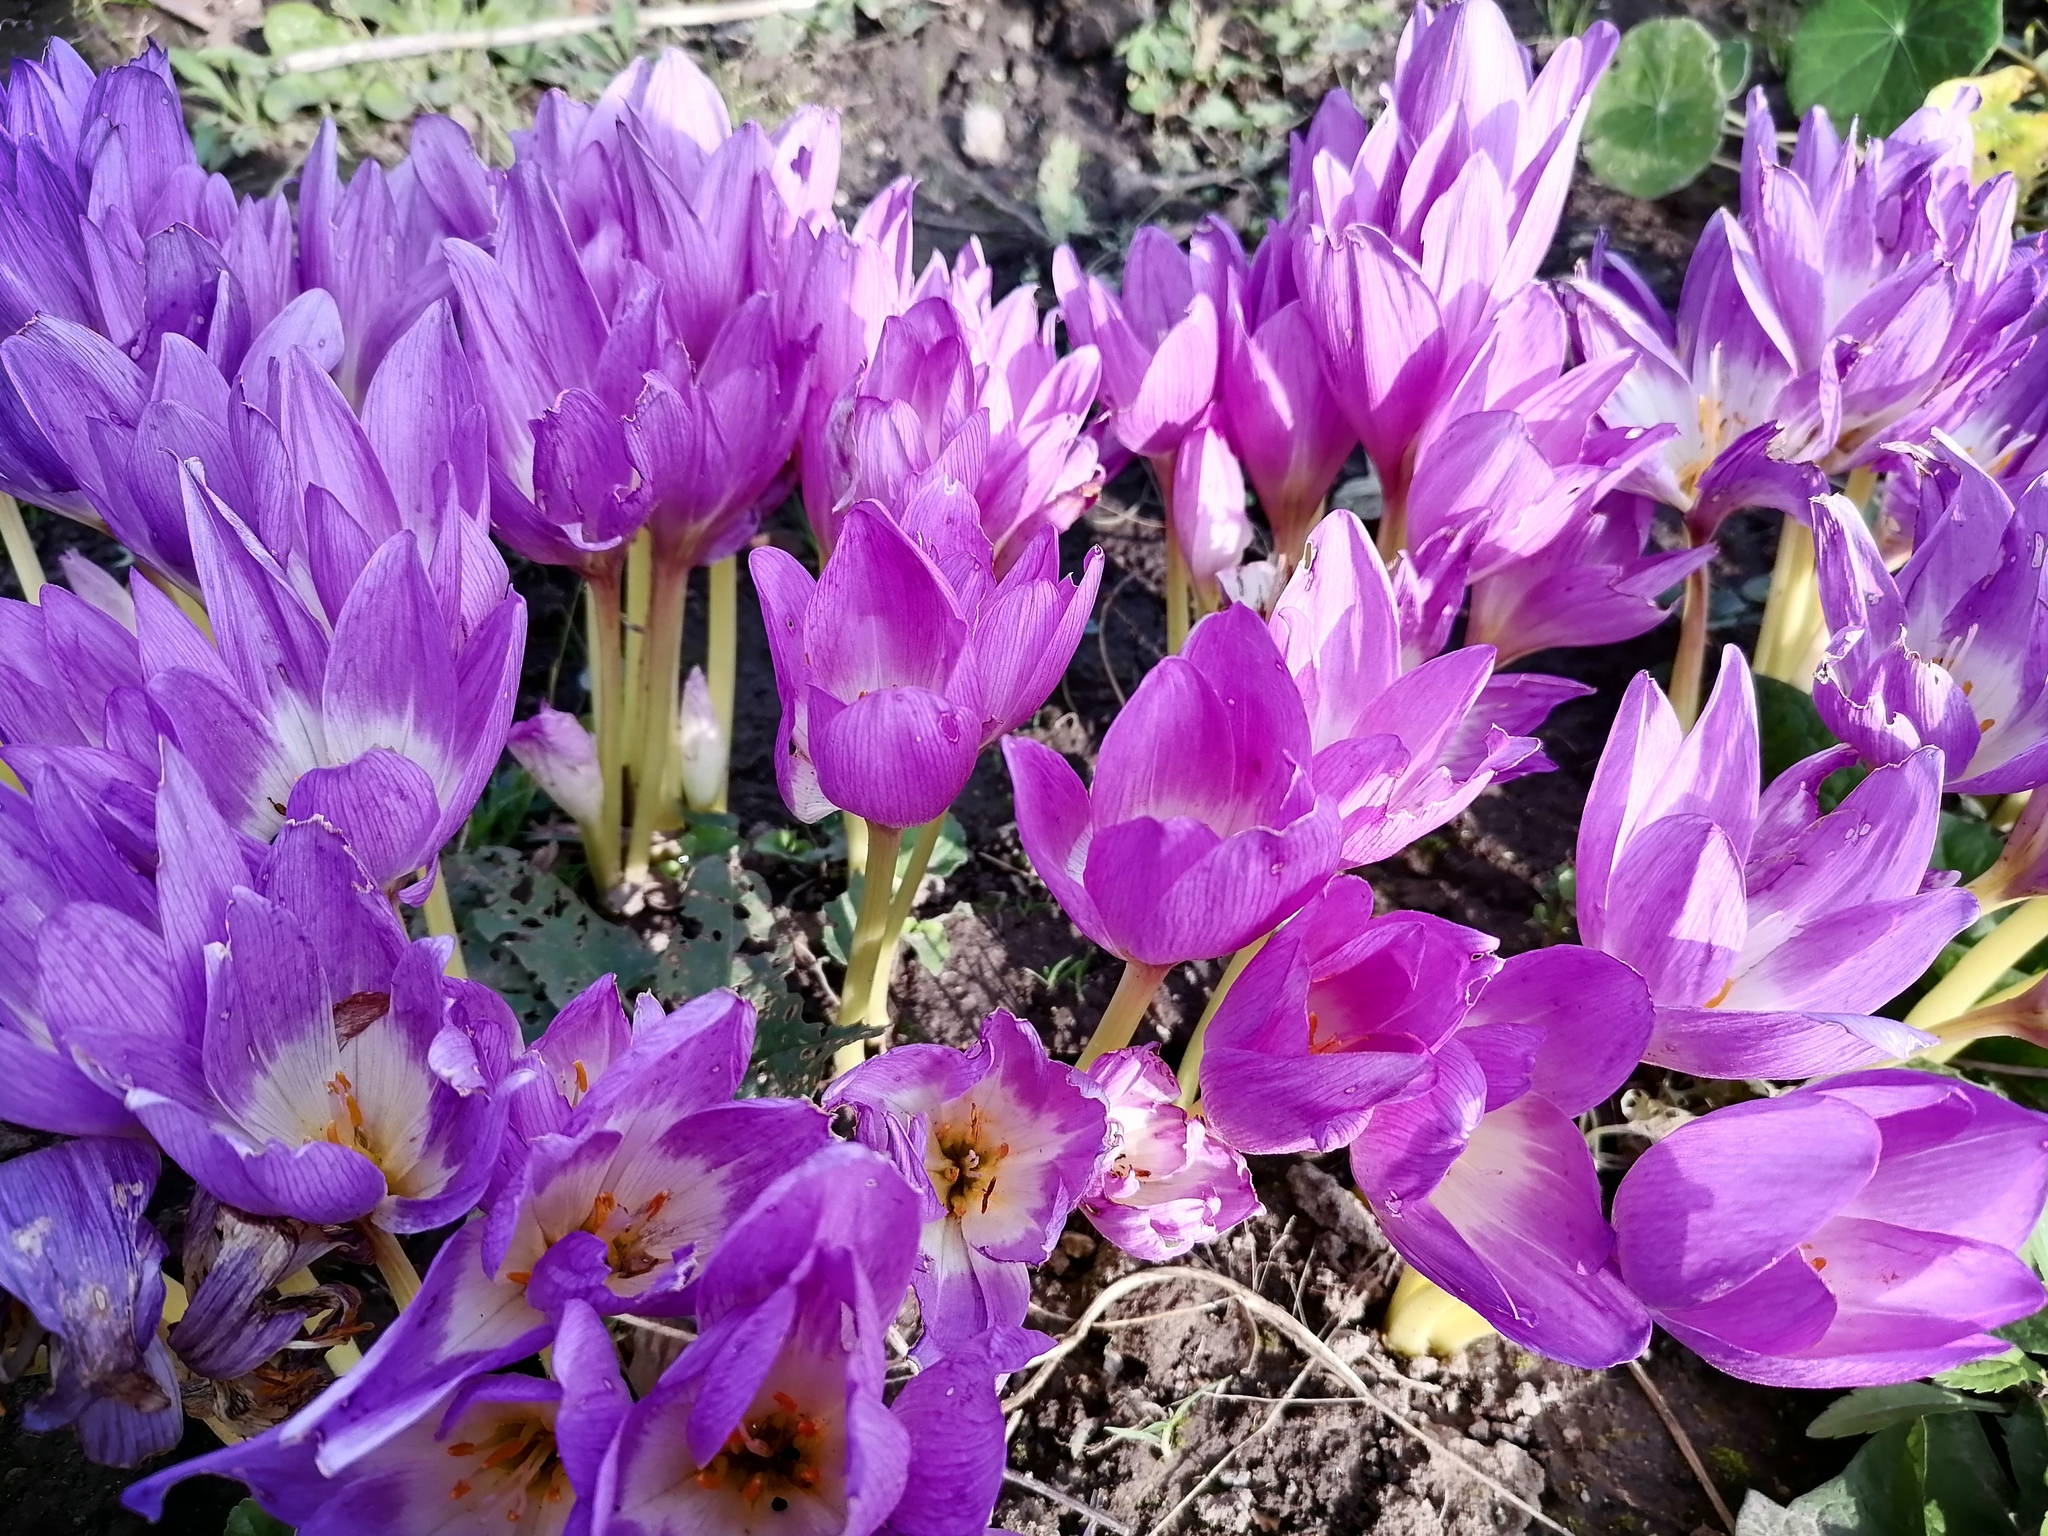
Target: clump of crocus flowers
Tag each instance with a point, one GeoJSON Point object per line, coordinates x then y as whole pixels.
{"type": "Point", "coordinates": [653, 1303]}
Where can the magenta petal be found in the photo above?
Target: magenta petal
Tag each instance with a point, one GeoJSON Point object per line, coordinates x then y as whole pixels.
{"type": "Point", "coordinates": [1594, 1013]}
{"type": "Point", "coordinates": [1676, 909]}
{"type": "Point", "coordinates": [382, 803]}
{"type": "Point", "coordinates": [896, 757]}
{"type": "Point", "coordinates": [1054, 826]}
{"type": "Point", "coordinates": [1706, 1209]}
{"type": "Point", "coordinates": [1732, 1043]}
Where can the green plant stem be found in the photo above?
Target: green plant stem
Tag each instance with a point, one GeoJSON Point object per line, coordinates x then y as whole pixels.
{"type": "Point", "coordinates": [607, 704]}
{"type": "Point", "coordinates": [1978, 971]}
{"type": "Point", "coordinates": [721, 657]}
{"type": "Point", "coordinates": [400, 1277]}
{"type": "Point", "coordinates": [870, 933]}
{"type": "Point", "coordinates": [1120, 1019]}
{"type": "Point", "coordinates": [1191, 1060]}
{"type": "Point", "coordinates": [1690, 663]}
{"type": "Point", "coordinates": [661, 664]}
{"type": "Point", "coordinates": [21, 549]}
{"type": "Point", "coordinates": [441, 923]}
{"type": "Point", "coordinates": [632, 683]}
{"type": "Point", "coordinates": [877, 1009]}
{"type": "Point", "coordinates": [1179, 596]}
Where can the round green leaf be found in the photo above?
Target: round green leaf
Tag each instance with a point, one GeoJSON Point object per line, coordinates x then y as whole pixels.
{"type": "Point", "coordinates": [1656, 115]}
{"type": "Point", "coordinates": [1877, 59]}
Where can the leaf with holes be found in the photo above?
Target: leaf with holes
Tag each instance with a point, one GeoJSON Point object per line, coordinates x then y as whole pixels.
{"type": "Point", "coordinates": [1656, 115]}
{"type": "Point", "coordinates": [1877, 59]}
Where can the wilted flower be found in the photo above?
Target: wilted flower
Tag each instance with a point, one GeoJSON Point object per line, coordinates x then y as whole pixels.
{"type": "Point", "coordinates": [1171, 1183]}
{"type": "Point", "coordinates": [1454, 1078]}
{"type": "Point", "coordinates": [1769, 933]}
{"type": "Point", "coordinates": [81, 1256]}
{"type": "Point", "coordinates": [1002, 1143]}
{"type": "Point", "coordinates": [1857, 1232]}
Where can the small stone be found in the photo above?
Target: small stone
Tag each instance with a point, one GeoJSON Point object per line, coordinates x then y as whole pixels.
{"type": "Point", "coordinates": [1025, 75]}
{"type": "Point", "coordinates": [1077, 1245]}
{"type": "Point", "coordinates": [1017, 35]}
{"type": "Point", "coordinates": [984, 134]}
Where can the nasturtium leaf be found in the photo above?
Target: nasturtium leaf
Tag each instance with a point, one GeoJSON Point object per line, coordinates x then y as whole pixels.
{"type": "Point", "coordinates": [1656, 115]}
{"type": "Point", "coordinates": [248, 1519]}
{"type": "Point", "coordinates": [1876, 60]}
{"type": "Point", "coordinates": [1734, 61]}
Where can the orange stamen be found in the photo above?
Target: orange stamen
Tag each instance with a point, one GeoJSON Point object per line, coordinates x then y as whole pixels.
{"type": "Point", "coordinates": [582, 1077]}
{"type": "Point", "coordinates": [459, 1491]}
{"type": "Point", "coordinates": [462, 1448]}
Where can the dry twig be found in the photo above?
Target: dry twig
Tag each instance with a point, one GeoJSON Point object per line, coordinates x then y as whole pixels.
{"type": "Point", "coordinates": [1683, 1441]}
{"type": "Point", "coordinates": [1304, 1338]}
{"type": "Point", "coordinates": [1066, 1500]}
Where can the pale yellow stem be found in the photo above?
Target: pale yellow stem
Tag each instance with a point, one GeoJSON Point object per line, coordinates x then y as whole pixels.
{"type": "Point", "coordinates": [633, 685]}
{"type": "Point", "coordinates": [607, 704]}
{"type": "Point", "coordinates": [871, 932]}
{"type": "Point", "coordinates": [661, 664]}
{"type": "Point", "coordinates": [1179, 596]}
{"type": "Point", "coordinates": [400, 1278]}
{"type": "Point", "coordinates": [21, 549]}
{"type": "Point", "coordinates": [1424, 1319]}
{"type": "Point", "coordinates": [1191, 1061]}
{"type": "Point", "coordinates": [1689, 665]}
{"type": "Point", "coordinates": [188, 605]}
{"type": "Point", "coordinates": [1784, 609]}
{"type": "Point", "coordinates": [1979, 970]}
{"type": "Point", "coordinates": [1393, 534]}
{"type": "Point", "coordinates": [721, 657]}
{"type": "Point", "coordinates": [441, 923]}
{"type": "Point", "coordinates": [877, 1009]}
{"type": "Point", "coordinates": [1126, 1009]}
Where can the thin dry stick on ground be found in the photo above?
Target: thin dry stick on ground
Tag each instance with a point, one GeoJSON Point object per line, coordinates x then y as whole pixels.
{"type": "Point", "coordinates": [1066, 1500]}
{"type": "Point", "coordinates": [1304, 1338]}
{"type": "Point", "coordinates": [1683, 1441]}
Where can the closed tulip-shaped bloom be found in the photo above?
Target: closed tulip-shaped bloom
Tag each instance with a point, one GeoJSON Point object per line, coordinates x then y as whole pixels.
{"type": "Point", "coordinates": [84, 1261]}
{"type": "Point", "coordinates": [1860, 1231]}
{"type": "Point", "coordinates": [561, 757]}
{"type": "Point", "coordinates": [1171, 1182]}
{"type": "Point", "coordinates": [1179, 854]}
{"type": "Point", "coordinates": [1947, 652]}
{"type": "Point", "coordinates": [1769, 933]}
{"type": "Point", "coordinates": [1398, 753]}
{"type": "Point", "coordinates": [1159, 340]}
{"type": "Point", "coordinates": [1002, 1142]}
{"type": "Point", "coordinates": [907, 656]}
{"type": "Point", "coordinates": [316, 1065]}
{"type": "Point", "coordinates": [1424, 230]}
{"type": "Point", "coordinates": [1454, 1078]}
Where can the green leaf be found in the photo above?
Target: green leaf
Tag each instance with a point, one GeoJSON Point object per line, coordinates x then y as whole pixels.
{"type": "Point", "coordinates": [1966, 845]}
{"type": "Point", "coordinates": [1788, 726]}
{"type": "Point", "coordinates": [1877, 59]}
{"type": "Point", "coordinates": [1995, 1374]}
{"type": "Point", "coordinates": [247, 1519]}
{"type": "Point", "coordinates": [294, 26]}
{"type": "Point", "coordinates": [2026, 1452]}
{"type": "Point", "coordinates": [1960, 1477]}
{"type": "Point", "coordinates": [1656, 116]}
{"type": "Point", "coordinates": [1060, 206]}
{"type": "Point", "coordinates": [1734, 66]}
{"type": "Point", "coordinates": [1869, 1409]}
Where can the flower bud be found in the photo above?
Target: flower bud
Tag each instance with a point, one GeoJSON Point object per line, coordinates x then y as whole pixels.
{"type": "Point", "coordinates": [704, 745]}
{"type": "Point", "coordinates": [562, 757]}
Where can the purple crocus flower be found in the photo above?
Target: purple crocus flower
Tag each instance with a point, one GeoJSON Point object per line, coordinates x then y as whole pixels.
{"type": "Point", "coordinates": [1859, 1231]}
{"type": "Point", "coordinates": [1769, 934]}
{"type": "Point", "coordinates": [495, 1451]}
{"type": "Point", "coordinates": [1591, 585]}
{"type": "Point", "coordinates": [316, 1065]}
{"type": "Point", "coordinates": [624, 1164]}
{"type": "Point", "coordinates": [977, 388]}
{"type": "Point", "coordinates": [81, 1256]}
{"type": "Point", "coordinates": [375, 243]}
{"type": "Point", "coordinates": [1739, 417]}
{"type": "Point", "coordinates": [1399, 753]}
{"type": "Point", "coordinates": [1947, 652]}
{"type": "Point", "coordinates": [1159, 341]}
{"type": "Point", "coordinates": [774, 1414]}
{"type": "Point", "coordinates": [1422, 232]}
{"type": "Point", "coordinates": [1176, 855]}
{"type": "Point", "coordinates": [1171, 1182]}
{"type": "Point", "coordinates": [114, 229]}
{"type": "Point", "coordinates": [908, 655]}
{"type": "Point", "coordinates": [1002, 1142]}
{"type": "Point", "coordinates": [1881, 274]}
{"type": "Point", "coordinates": [1454, 1078]}
{"type": "Point", "coordinates": [1206, 509]}
{"type": "Point", "coordinates": [1273, 400]}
